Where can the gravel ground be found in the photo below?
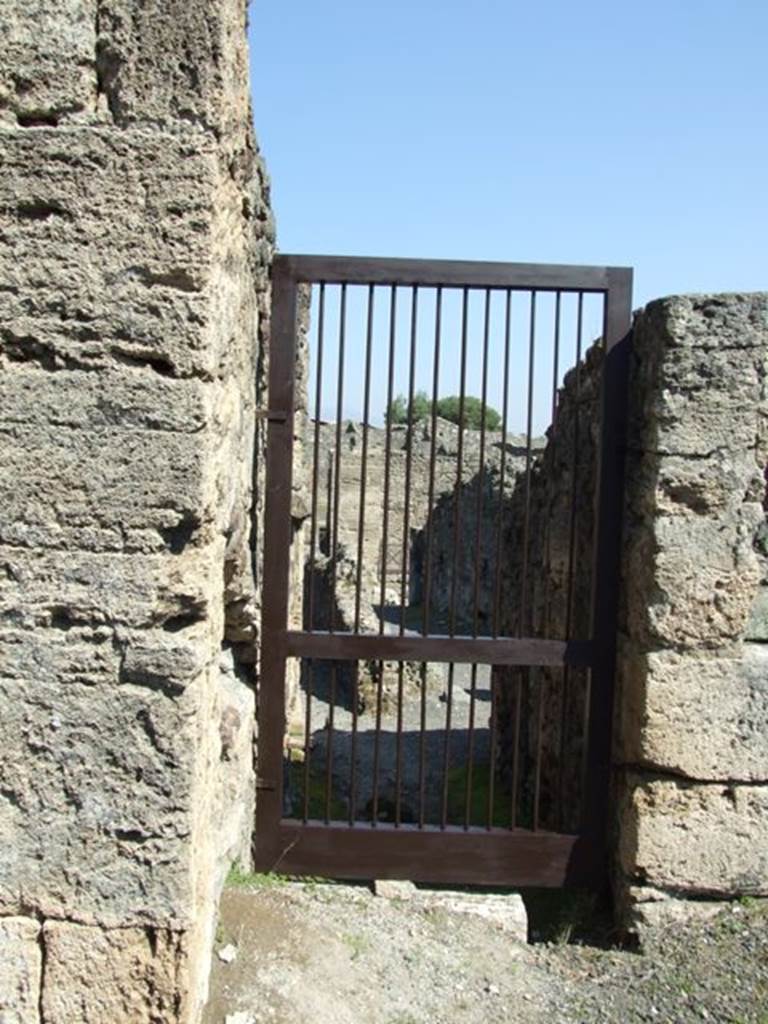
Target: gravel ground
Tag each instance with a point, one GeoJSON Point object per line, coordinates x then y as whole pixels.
{"type": "Point", "coordinates": [333, 954]}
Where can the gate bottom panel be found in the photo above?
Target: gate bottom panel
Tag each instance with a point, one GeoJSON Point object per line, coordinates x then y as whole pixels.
{"type": "Point", "coordinates": [433, 855]}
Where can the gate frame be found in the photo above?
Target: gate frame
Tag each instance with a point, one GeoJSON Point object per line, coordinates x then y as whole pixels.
{"type": "Point", "coordinates": [515, 857]}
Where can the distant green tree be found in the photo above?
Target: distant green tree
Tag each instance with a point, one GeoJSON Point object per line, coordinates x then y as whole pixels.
{"type": "Point", "coordinates": [448, 408]}
{"type": "Point", "coordinates": [421, 407]}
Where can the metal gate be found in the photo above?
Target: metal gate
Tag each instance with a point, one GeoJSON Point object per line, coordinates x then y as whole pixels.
{"type": "Point", "coordinates": [443, 499]}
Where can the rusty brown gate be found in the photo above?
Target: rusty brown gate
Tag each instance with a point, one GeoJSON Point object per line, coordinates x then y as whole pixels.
{"type": "Point", "coordinates": [443, 504]}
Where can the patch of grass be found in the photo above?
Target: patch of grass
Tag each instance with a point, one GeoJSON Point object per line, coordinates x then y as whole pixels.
{"type": "Point", "coordinates": [317, 795]}
{"type": "Point", "coordinates": [357, 944]}
{"type": "Point", "coordinates": [237, 878]}
{"type": "Point", "coordinates": [479, 797]}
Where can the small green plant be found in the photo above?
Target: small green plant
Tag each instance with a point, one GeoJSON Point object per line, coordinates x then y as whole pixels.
{"type": "Point", "coordinates": [238, 878]}
{"type": "Point", "coordinates": [357, 944]}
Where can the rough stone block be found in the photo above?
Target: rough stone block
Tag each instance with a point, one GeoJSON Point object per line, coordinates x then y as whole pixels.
{"type": "Point", "coordinates": [127, 214]}
{"type": "Point", "coordinates": [21, 964]}
{"type": "Point", "coordinates": [40, 588]}
{"type": "Point", "coordinates": [693, 837]}
{"type": "Point", "coordinates": [119, 976]}
{"type": "Point", "coordinates": [48, 68]}
{"type": "Point", "coordinates": [206, 87]}
{"type": "Point", "coordinates": [704, 717]}
{"type": "Point", "coordinates": [96, 817]}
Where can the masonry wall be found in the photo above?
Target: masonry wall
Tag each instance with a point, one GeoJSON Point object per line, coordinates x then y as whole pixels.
{"type": "Point", "coordinates": [134, 239]}
{"type": "Point", "coordinates": [692, 724]}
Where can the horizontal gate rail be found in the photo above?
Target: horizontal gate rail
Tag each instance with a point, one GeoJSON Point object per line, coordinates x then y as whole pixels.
{"type": "Point", "coordinates": [451, 273]}
{"type": "Point", "coordinates": [443, 649]}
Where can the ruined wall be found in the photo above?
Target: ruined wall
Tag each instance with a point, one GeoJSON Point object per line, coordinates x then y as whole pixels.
{"type": "Point", "coordinates": [134, 234]}
{"type": "Point", "coordinates": [546, 591]}
{"type": "Point", "coordinates": [692, 728]}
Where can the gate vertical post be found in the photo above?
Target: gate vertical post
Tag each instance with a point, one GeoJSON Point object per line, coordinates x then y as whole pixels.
{"type": "Point", "coordinates": [278, 528]}
{"type": "Point", "coordinates": [606, 575]}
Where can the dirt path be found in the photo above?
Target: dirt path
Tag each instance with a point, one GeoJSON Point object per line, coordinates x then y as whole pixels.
{"type": "Point", "coordinates": [330, 954]}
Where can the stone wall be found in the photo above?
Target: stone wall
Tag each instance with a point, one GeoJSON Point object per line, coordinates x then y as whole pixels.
{"type": "Point", "coordinates": [692, 716]}
{"type": "Point", "coordinates": [690, 785]}
{"type": "Point", "coordinates": [135, 235]}
{"type": "Point", "coordinates": [546, 593]}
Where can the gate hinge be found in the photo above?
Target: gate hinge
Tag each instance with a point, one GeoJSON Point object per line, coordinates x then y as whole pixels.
{"type": "Point", "coordinates": [272, 415]}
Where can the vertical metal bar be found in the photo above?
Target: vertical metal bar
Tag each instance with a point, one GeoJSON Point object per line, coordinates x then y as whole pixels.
{"type": "Point", "coordinates": [364, 456]}
{"type": "Point", "coordinates": [377, 747]}
{"type": "Point", "coordinates": [606, 577]}
{"type": "Point", "coordinates": [278, 529]}
{"type": "Point", "coordinates": [432, 457]}
{"type": "Point", "coordinates": [455, 558]}
{"type": "Point", "coordinates": [459, 469]}
{"type": "Point", "coordinates": [535, 674]}
{"type": "Point", "coordinates": [399, 745]}
{"type": "Point", "coordinates": [335, 547]}
{"type": "Point", "coordinates": [313, 548]}
{"type": "Point", "coordinates": [572, 529]}
{"type": "Point", "coordinates": [384, 543]}
{"type": "Point", "coordinates": [329, 500]}
{"type": "Point", "coordinates": [492, 743]}
{"type": "Point", "coordinates": [470, 748]}
{"type": "Point", "coordinates": [316, 459]}
{"type": "Point", "coordinates": [516, 750]}
{"type": "Point", "coordinates": [502, 472]}
{"type": "Point", "coordinates": [361, 549]}
{"type": "Point", "coordinates": [528, 460]}
{"type": "Point", "coordinates": [422, 743]}
{"type": "Point", "coordinates": [337, 464]}
{"type": "Point", "coordinates": [428, 553]}
{"type": "Point", "coordinates": [556, 359]}
{"type": "Point", "coordinates": [329, 744]}
{"type": "Point", "coordinates": [388, 452]}
{"type": "Point", "coordinates": [478, 540]}
{"type": "Point", "coordinates": [404, 565]}
{"type": "Point", "coordinates": [447, 745]}
{"type": "Point", "coordinates": [496, 621]}
{"type": "Point", "coordinates": [408, 463]}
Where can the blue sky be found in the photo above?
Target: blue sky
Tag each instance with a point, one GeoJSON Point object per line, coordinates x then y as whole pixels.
{"type": "Point", "coordinates": [608, 133]}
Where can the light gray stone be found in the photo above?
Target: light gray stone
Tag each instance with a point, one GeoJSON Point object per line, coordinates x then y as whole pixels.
{"type": "Point", "coordinates": [394, 889]}
{"type": "Point", "coordinates": [21, 962]}
{"type": "Point", "coordinates": [49, 60]}
{"type": "Point", "coordinates": [506, 912]}
{"type": "Point", "coordinates": [124, 975]}
{"type": "Point", "coordinates": [704, 717]}
{"type": "Point", "coordinates": [694, 837]}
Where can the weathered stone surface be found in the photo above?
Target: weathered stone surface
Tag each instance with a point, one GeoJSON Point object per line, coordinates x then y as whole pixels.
{"type": "Point", "coordinates": [124, 975]}
{"type": "Point", "coordinates": [135, 235]}
{"type": "Point", "coordinates": [693, 702]}
{"type": "Point", "coordinates": [96, 822]}
{"type": "Point", "coordinates": [87, 213]}
{"type": "Point", "coordinates": [650, 911]}
{"type": "Point", "coordinates": [699, 838]}
{"type": "Point", "coordinates": [49, 60]}
{"type": "Point", "coordinates": [20, 970]}
{"type": "Point", "coordinates": [695, 474]}
{"type": "Point", "coordinates": [506, 912]}
{"type": "Point", "coordinates": [701, 717]}
{"type": "Point", "coordinates": [205, 86]}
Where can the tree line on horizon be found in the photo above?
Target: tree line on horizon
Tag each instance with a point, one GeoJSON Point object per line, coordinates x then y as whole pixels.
{"type": "Point", "coordinates": [448, 408]}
